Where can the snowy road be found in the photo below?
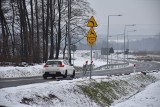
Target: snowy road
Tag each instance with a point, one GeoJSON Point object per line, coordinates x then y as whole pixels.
{"type": "Point", "coordinates": [141, 66]}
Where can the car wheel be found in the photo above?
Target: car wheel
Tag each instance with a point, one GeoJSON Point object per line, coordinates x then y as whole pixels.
{"type": "Point", "coordinates": [73, 75]}
{"type": "Point", "coordinates": [65, 75]}
{"type": "Point", "coordinates": [44, 76]}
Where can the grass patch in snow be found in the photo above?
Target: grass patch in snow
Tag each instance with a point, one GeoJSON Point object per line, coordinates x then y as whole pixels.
{"type": "Point", "coordinates": [145, 78]}
{"type": "Point", "coordinates": [105, 93]}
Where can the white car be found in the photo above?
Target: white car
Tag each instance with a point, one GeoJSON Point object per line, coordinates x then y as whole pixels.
{"type": "Point", "coordinates": [54, 68]}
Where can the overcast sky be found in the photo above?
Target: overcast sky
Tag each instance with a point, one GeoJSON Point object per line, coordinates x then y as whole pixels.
{"type": "Point", "coordinates": [144, 13]}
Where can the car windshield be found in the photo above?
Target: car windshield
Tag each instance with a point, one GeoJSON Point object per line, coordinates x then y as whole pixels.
{"type": "Point", "coordinates": [53, 62]}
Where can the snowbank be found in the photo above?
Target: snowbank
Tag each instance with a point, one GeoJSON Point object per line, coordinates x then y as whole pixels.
{"type": "Point", "coordinates": [148, 98]}
{"type": "Point", "coordinates": [71, 93]}
{"type": "Point", "coordinates": [12, 72]}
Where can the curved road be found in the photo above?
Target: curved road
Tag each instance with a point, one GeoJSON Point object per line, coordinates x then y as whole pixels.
{"type": "Point", "coordinates": [140, 66]}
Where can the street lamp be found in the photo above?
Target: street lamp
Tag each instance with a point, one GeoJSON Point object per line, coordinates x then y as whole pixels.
{"type": "Point", "coordinates": [124, 38]}
{"type": "Point", "coordinates": [128, 39]}
{"type": "Point", "coordinates": [117, 44]}
{"type": "Point", "coordinates": [108, 37]}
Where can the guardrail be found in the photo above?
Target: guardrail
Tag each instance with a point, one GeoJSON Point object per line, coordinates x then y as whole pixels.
{"type": "Point", "coordinates": [112, 65]}
{"type": "Point", "coordinates": [87, 68]}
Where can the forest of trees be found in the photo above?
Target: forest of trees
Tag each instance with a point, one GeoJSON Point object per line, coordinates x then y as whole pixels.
{"type": "Point", "coordinates": [34, 31]}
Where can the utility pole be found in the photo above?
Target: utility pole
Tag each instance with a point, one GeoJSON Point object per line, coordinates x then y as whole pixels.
{"type": "Point", "coordinates": [69, 38]}
{"type": "Point", "coordinates": [128, 40]}
{"type": "Point", "coordinates": [107, 41]}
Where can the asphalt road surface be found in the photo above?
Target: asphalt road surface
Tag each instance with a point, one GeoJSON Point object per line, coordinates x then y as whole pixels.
{"type": "Point", "coordinates": [140, 66]}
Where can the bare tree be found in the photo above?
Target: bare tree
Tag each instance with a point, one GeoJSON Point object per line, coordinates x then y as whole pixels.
{"type": "Point", "coordinates": [59, 29]}
{"type": "Point", "coordinates": [32, 30]}
{"type": "Point", "coordinates": [5, 34]}
{"type": "Point", "coordinates": [52, 19]}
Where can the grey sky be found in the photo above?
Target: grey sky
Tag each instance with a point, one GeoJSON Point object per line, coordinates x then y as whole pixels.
{"type": "Point", "coordinates": [144, 13]}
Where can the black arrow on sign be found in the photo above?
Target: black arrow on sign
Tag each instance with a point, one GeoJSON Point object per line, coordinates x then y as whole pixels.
{"type": "Point", "coordinates": [92, 22]}
{"type": "Point", "coordinates": [92, 33]}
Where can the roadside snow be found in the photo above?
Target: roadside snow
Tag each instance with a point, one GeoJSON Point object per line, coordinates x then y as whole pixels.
{"type": "Point", "coordinates": [58, 94]}
{"type": "Point", "coordinates": [12, 72]}
{"type": "Point", "coordinates": [81, 56]}
{"type": "Point", "coordinates": [150, 97]}
{"type": "Point", "coordinates": [66, 93]}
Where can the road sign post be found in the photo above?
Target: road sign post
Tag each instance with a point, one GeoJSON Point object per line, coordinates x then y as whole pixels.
{"type": "Point", "coordinates": [91, 38]}
{"type": "Point", "coordinates": [134, 69]}
{"type": "Point", "coordinates": [91, 64]}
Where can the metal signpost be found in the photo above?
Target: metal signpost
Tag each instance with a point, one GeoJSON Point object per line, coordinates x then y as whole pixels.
{"type": "Point", "coordinates": [134, 69]}
{"type": "Point", "coordinates": [91, 37]}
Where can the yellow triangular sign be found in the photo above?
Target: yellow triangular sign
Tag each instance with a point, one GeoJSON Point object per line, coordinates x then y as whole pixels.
{"type": "Point", "coordinates": [92, 22]}
{"type": "Point", "coordinates": [91, 37]}
{"type": "Point", "coordinates": [91, 33]}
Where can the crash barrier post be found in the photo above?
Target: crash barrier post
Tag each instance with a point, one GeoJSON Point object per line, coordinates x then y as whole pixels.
{"type": "Point", "coordinates": [87, 68]}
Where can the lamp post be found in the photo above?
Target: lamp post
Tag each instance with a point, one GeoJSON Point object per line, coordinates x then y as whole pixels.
{"type": "Point", "coordinates": [108, 37]}
{"type": "Point", "coordinates": [109, 51]}
{"type": "Point", "coordinates": [128, 39]}
{"type": "Point", "coordinates": [117, 44]}
{"type": "Point", "coordinates": [124, 38]}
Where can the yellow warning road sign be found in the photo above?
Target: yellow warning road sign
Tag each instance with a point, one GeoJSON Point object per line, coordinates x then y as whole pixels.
{"type": "Point", "coordinates": [91, 37]}
{"type": "Point", "coordinates": [91, 33]}
{"type": "Point", "coordinates": [92, 22]}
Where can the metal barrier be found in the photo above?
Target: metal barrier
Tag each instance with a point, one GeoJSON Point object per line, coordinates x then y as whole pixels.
{"type": "Point", "coordinates": [87, 68]}
{"type": "Point", "coordinates": [112, 65]}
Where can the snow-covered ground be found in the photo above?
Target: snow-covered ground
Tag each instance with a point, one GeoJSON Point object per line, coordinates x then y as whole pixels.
{"type": "Point", "coordinates": [81, 56]}
{"type": "Point", "coordinates": [150, 97]}
{"type": "Point", "coordinates": [67, 93]}
{"type": "Point", "coordinates": [11, 72]}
